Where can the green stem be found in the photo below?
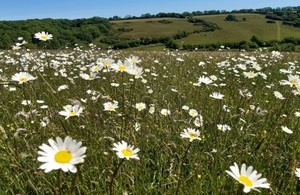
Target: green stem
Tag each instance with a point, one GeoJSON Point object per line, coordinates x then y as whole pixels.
{"type": "Point", "coordinates": [59, 182]}
{"type": "Point", "coordinates": [180, 167]}
{"type": "Point", "coordinates": [73, 181]}
{"type": "Point", "coordinates": [113, 177]}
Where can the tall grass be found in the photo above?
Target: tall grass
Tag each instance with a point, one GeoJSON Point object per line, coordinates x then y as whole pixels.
{"type": "Point", "coordinates": [168, 163]}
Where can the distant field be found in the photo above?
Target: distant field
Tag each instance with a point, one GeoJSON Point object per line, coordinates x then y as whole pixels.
{"type": "Point", "coordinates": [255, 24]}
{"type": "Point", "coordinates": [153, 28]}
{"type": "Point", "coordinates": [247, 26]}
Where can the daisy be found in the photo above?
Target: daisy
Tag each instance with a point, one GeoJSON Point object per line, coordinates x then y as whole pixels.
{"type": "Point", "coordinates": [126, 151]}
{"type": "Point", "coordinates": [110, 106]}
{"type": "Point", "coordinates": [216, 95]}
{"type": "Point", "coordinates": [134, 60]}
{"type": "Point", "coordinates": [121, 66]}
{"type": "Point", "coordinates": [250, 74]}
{"type": "Point", "coordinates": [151, 109]}
{"type": "Point", "coordinates": [248, 177]}
{"type": "Point", "coordinates": [193, 112]}
{"type": "Point", "coordinates": [297, 114]}
{"type": "Point", "coordinates": [61, 154]}
{"type": "Point", "coordinates": [140, 106]}
{"type": "Point", "coordinates": [22, 77]}
{"type": "Point", "coordinates": [165, 112]}
{"type": "Point", "coordinates": [191, 134]}
{"type": "Point", "coordinates": [198, 122]}
{"type": "Point", "coordinates": [293, 80]}
{"type": "Point", "coordinates": [286, 129]}
{"type": "Point", "coordinates": [278, 95]}
{"type": "Point", "coordinates": [70, 110]}
{"type": "Point", "coordinates": [203, 79]}
{"type": "Point", "coordinates": [223, 127]}
{"type": "Point", "coordinates": [43, 36]}
{"type": "Point", "coordinates": [62, 87]}
{"type": "Point", "coordinates": [297, 172]}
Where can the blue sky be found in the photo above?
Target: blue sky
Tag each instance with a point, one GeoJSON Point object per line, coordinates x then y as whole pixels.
{"type": "Point", "coordinates": [72, 9]}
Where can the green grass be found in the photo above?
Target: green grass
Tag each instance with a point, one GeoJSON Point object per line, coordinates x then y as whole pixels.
{"type": "Point", "coordinates": [255, 137]}
{"type": "Point", "coordinates": [255, 24]}
{"type": "Point", "coordinates": [152, 28]}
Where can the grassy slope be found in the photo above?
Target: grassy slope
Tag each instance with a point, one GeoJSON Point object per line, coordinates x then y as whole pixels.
{"type": "Point", "coordinates": [152, 28]}
{"type": "Point", "coordinates": [255, 24]}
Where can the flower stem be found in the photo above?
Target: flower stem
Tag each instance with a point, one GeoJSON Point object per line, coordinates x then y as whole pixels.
{"type": "Point", "coordinates": [180, 167]}
{"type": "Point", "coordinates": [113, 177]}
{"type": "Point", "coordinates": [59, 182]}
{"type": "Point", "coordinates": [73, 181]}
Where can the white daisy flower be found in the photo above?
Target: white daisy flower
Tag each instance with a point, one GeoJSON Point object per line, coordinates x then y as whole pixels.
{"type": "Point", "coordinates": [191, 134]}
{"type": "Point", "coordinates": [61, 154]}
{"type": "Point", "coordinates": [70, 110]}
{"type": "Point", "coordinates": [22, 77]}
{"type": "Point", "coordinates": [43, 36]}
{"type": "Point", "coordinates": [126, 151]}
{"type": "Point", "coordinates": [248, 177]}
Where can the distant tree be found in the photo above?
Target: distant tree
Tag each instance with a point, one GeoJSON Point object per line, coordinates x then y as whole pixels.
{"type": "Point", "coordinates": [230, 17]}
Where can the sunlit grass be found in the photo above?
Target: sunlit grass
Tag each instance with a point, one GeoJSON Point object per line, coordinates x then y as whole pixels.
{"type": "Point", "coordinates": [168, 163]}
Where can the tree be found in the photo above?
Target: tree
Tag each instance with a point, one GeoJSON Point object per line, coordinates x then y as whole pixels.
{"type": "Point", "coordinates": [230, 17]}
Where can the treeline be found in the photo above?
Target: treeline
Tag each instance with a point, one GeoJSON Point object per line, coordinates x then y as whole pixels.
{"type": "Point", "coordinates": [66, 32]}
{"type": "Point", "coordinates": [291, 18]}
{"type": "Point", "coordinates": [264, 11]}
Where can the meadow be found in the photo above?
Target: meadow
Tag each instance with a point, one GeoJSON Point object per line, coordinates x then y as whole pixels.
{"type": "Point", "coordinates": [192, 115]}
{"type": "Point", "coordinates": [248, 24]}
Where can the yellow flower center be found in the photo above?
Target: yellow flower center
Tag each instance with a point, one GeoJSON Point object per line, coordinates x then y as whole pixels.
{"type": "Point", "coordinates": [23, 79]}
{"type": "Point", "coordinates": [63, 156]}
{"type": "Point", "coordinates": [44, 37]}
{"type": "Point", "coordinates": [73, 113]}
{"type": "Point", "coordinates": [127, 152]}
{"type": "Point", "coordinates": [246, 181]}
{"type": "Point", "coordinates": [106, 63]}
{"type": "Point", "coordinates": [193, 135]}
{"type": "Point", "coordinates": [294, 82]}
{"type": "Point", "coordinates": [122, 67]}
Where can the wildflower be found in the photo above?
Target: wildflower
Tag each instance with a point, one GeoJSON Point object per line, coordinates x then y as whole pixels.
{"type": "Point", "coordinates": [43, 36]}
{"type": "Point", "coordinates": [126, 151]}
{"type": "Point", "coordinates": [286, 129]}
{"type": "Point", "coordinates": [191, 134]}
{"type": "Point", "coordinates": [88, 77]}
{"type": "Point", "coordinates": [184, 107]}
{"type": "Point", "coordinates": [137, 126]}
{"type": "Point", "coordinates": [140, 106]}
{"type": "Point", "coordinates": [248, 177]}
{"type": "Point", "coordinates": [250, 74]}
{"type": "Point", "coordinates": [134, 60]}
{"type": "Point", "coordinates": [216, 95]}
{"type": "Point", "coordinates": [293, 80]}
{"type": "Point", "coordinates": [297, 114]}
{"type": "Point", "coordinates": [61, 154]}
{"type": "Point", "coordinates": [193, 112]}
{"type": "Point", "coordinates": [62, 87]}
{"type": "Point", "coordinates": [110, 106]}
{"type": "Point", "coordinates": [70, 110]}
{"type": "Point", "coordinates": [152, 109]}
{"type": "Point", "coordinates": [198, 122]}
{"type": "Point", "coordinates": [297, 172]}
{"type": "Point", "coordinates": [223, 127]}
{"type": "Point", "coordinates": [22, 77]}
{"type": "Point", "coordinates": [205, 80]}
{"type": "Point", "coordinates": [121, 66]}
{"type": "Point", "coordinates": [278, 95]}
{"type": "Point", "coordinates": [165, 112]}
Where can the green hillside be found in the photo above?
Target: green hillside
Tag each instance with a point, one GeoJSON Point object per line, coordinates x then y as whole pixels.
{"type": "Point", "coordinates": [254, 24]}
{"type": "Point", "coordinates": [246, 26]}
